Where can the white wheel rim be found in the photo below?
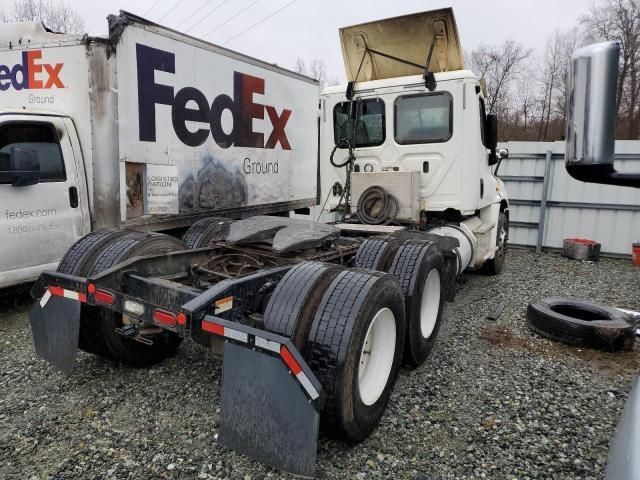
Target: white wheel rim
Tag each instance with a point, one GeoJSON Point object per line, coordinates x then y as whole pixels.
{"type": "Point", "coordinates": [430, 304]}
{"type": "Point", "coordinates": [376, 356]}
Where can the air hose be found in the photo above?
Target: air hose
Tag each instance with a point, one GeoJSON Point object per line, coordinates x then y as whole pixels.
{"type": "Point", "coordinates": [376, 206]}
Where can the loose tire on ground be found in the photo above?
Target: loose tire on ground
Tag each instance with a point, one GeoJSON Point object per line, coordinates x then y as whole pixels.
{"type": "Point", "coordinates": [377, 253]}
{"type": "Point", "coordinates": [581, 323]}
{"type": "Point", "coordinates": [418, 266]}
{"type": "Point", "coordinates": [352, 305]}
{"type": "Point", "coordinates": [496, 264]}
{"type": "Point", "coordinates": [77, 261]}
{"type": "Point", "coordinates": [205, 232]}
{"type": "Point", "coordinates": [295, 299]}
{"type": "Point", "coordinates": [123, 349]}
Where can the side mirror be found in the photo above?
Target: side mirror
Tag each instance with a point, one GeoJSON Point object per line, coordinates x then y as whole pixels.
{"type": "Point", "coordinates": [491, 136]}
{"type": "Point", "coordinates": [591, 116]}
{"type": "Point", "coordinates": [21, 168]}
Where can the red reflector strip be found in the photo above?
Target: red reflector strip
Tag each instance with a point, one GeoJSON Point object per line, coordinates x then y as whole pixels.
{"type": "Point", "coordinates": [57, 291]}
{"type": "Point", "coordinates": [291, 362]}
{"type": "Point", "coordinates": [213, 328]}
{"type": "Point", "coordinates": [102, 296]}
{"type": "Point", "coordinates": [164, 317]}
{"type": "Point", "coordinates": [63, 292]}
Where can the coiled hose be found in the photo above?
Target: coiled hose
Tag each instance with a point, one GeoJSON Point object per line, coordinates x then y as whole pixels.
{"type": "Point", "coordinates": [376, 206]}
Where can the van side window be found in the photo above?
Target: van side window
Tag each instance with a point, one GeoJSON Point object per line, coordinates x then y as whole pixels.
{"type": "Point", "coordinates": [483, 120]}
{"type": "Point", "coordinates": [37, 136]}
{"type": "Point", "coordinates": [424, 118]}
{"type": "Point", "coordinates": [368, 116]}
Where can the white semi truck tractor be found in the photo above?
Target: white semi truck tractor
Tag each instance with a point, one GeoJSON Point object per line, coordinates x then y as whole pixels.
{"type": "Point", "coordinates": [312, 319]}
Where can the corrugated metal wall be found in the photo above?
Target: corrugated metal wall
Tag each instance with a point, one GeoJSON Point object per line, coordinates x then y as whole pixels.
{"type": "Point", "coordinates": [607, 214]}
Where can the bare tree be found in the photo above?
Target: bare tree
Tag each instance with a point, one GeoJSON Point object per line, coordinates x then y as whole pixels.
{"type": "Point", "coordinates": [620, 20]}
{"type": "Point", "coordinates": [498, 64]}
{"type": "Point", "coordinates": [315, 69]}
{"type": "Point", "coordinates": [56, 16]}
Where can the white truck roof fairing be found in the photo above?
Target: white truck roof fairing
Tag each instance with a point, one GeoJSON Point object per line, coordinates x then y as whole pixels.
{"type": "Point", "coordinates": [409, 38]}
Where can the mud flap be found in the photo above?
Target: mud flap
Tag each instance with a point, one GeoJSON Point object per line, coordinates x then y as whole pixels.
{"type": "Point", "coordinates": [55, 326]}
{"type": "Point", "coordinates": [265, 415]}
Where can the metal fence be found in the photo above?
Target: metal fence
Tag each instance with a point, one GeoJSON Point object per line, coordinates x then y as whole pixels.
{"type": "Point", "coordinates": [547, 205]}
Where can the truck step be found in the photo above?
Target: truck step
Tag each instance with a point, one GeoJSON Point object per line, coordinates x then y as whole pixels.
{"type": "Point", "coordinates": [357, 227]}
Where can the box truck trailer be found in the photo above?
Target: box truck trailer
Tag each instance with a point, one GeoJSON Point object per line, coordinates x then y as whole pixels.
{"type": "Point", "coordinates": [146, 129]}
{"type": "Point", "coordinates": [312, 320]}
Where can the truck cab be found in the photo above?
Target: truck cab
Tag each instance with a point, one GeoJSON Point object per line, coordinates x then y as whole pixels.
{"type": "Point", "coordinates": [414, 122]}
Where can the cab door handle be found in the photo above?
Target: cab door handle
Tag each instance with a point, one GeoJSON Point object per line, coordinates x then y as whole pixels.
{"type": "Point", "coordinates": [73, 197]}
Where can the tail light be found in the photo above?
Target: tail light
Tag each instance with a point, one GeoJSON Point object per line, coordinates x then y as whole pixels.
{"type": "Point", "coordinates": [165, 318]}
{"type": "Point", "coordinates": [102, 296]}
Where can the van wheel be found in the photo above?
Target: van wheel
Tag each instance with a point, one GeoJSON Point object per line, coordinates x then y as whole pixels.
{"type": "Point", "coordinates": [418, 266]}
{"type": "Point", "coordinates": [123, 349]}
{"type": "Point", "coordinates": [355, 348]}
{"type": "Point", "coordinates": [496, 264]}
{"type": "Point", "coordinates": [295, 299]}
{"type": "Point", "coordinates": [377, 253]}
{"type": "Point", "coordinates": [205, 232]}
{"type": "Point", "coordinates": [77, 261]}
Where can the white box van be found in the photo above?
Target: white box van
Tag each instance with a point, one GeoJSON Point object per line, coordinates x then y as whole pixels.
{"type": "Point", "coordinates": [147, 129]}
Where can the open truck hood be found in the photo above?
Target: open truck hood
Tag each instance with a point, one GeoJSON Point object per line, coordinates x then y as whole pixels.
{"type": "Point", "coordinates": [409, 38]}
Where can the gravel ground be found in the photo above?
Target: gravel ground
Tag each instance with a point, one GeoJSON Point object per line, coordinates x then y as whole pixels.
{"type": "Point", "coordinates": [493, 401]}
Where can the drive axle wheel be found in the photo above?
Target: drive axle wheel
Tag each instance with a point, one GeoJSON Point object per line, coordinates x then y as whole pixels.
{"type": "Point", "coordinates": [126, 350]}
{"type": "Point", "coordinates": [418, 266]}
{"type": "Point", "coordinates": [355, 348]}
{"type": "Point", "coordinates": [77, 261]}
{"type": "Point", "coordinates": [377, 253]}
{"type": "Point", "coordinates": [295, 299]}
{"type": "Point", "coordinates": [205, 232]}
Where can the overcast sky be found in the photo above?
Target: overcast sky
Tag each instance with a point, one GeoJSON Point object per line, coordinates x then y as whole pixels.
{"type": "Point", "coordinates": [309, 28]}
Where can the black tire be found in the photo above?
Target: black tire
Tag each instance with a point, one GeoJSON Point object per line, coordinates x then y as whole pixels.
{"type": "Point", "coordinates": [496, 264]}
{"type": "Point", "coordinates": [77, 261]}
{"type": "Point", "coordinates": [581, 323]}
{"type": "Point", "coordinates": [295, 299]}
{"type": "Point", "coordinates": [205, 232]}
{"type": "Point", "coordinates": [413, 263]}
{"type": "Point", "coordinates": [125, 350]}
{"type": "Point", "coordinates": [336, 342]}
{"type": "Point", "coordinates": [377, 253]}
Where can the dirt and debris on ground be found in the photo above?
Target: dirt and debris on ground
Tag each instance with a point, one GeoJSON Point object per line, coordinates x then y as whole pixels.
{"type": "Point", "coordinates": [493, 401]}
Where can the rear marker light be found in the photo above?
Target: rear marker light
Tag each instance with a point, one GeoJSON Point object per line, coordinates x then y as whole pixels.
{"type": "Point", "coordinates": [182, 319]}
{"type": "Point", "coordinates": [102, 296]}
{"type": "Point", "coordinates": [165, 318]}
{"type": "Point", "coordinates": [91, 288]}
{"type": "Point", "coordinates": [134, 308]}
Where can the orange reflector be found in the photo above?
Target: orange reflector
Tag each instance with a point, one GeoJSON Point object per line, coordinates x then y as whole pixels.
{"type": "Point", "coordinates": [91, 288]}
{"type": "Point", "coordinates": [182, 319]}
{"type": "Point", "coordinates": [164, 317]}
{"type": "Point", "coordinates": [102, 296]}
{"type": "Point", "coordinates": [213, 328]}
{"type": "Point", "coordinates": [291, 362]}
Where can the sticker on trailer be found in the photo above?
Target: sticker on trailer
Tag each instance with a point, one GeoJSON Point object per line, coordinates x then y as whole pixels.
{"type": "Point", "coordinates": [161, 189]}
{"type": "Point", "coordinates": [223, 305]}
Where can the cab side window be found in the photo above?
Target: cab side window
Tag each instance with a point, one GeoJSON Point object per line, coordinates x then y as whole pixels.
{"type": "Point", "coordinates": [483, 119]}
{"type": "Point", "coordinates": [39, 137]}
{"type": "Point", "coordinates": [367, 122]}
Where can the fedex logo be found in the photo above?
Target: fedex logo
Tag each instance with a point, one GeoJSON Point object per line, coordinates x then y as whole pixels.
{"type": "Point", "coordinates": [208, 115]}
{"type": "Point", "coordinates": [31, 73]}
